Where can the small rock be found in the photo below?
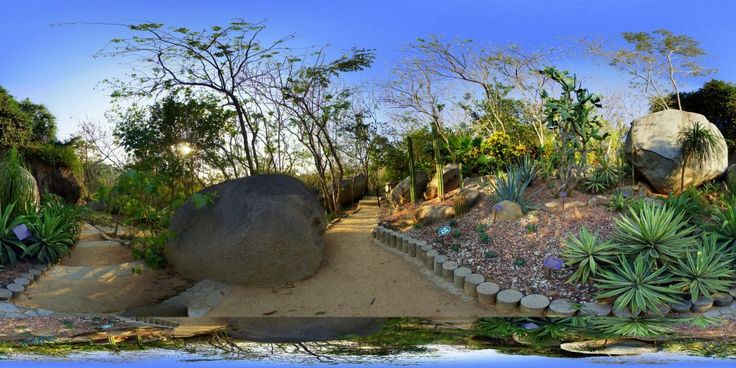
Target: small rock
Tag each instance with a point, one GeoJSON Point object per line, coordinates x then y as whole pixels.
{"type": "Point", "coordinates": [15, 288]}
{"type": "Point", "coordinates": [663, 309]}
{"type": "Point", "coordinates": [22, 281]}
{"type": "Point", "coordinates": [732, 292]}
{"type": "Point", "coordinates": [713, 313]}
{"type": "Point", "coordinates": [439, 265]}
{"type": "Point", "coordinates": [722, 300]}
{"type": "Point", "coordinates": [507, 211]}
{"type": "Point", "coordinates": [5, 294]}
{"type": "Point", "coordinates": [703, 304]}
{"type": "Point", "coordinates": [623, 313]}
{"type": "Point", "coordinates": [7, 307]}
{"type": "Point", "coordinates": [562, 308]}
{"type": "Point", "coordinates": [429, 260]}
{"type": "Point", "coordinates": [593, 309]}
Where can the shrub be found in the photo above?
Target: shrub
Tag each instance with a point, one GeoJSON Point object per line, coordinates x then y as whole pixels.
{"type": "Point", "coordinates": [498, 150]}
{"type": "Point", "coordinates": [603, 178]}
{"type": "Point", "coordinates": [633, 327]}
{"type": "Point", "coordinates": [52, 237]}
{"type": "Point", "coordinates": [17, 184]}
{"type": "Point", "coordinates": [587, 254]}
{"type": "Point", "coordinates": [724, 226]}
{"type": "Point", "coordinates": [151, 248]}
{"type": "Point", "coordinates": [636, 285]}
{"type": "Point", "coordinates": [510, 186]}
{"type": "Point", "coordinates": [704, 272]}
{"type": "Point", "coordinates": [688, 203]}
{"type": "Point", "coordinates": [656, 233]}
{"type": "Point", "coordinates": [9, 244]}
{"type": "Point", "coordinates": [489, 254]}
{"type": "Point", "coordinates": [519, 262]}
{"type": "Point", "coordinates": [618, 201]}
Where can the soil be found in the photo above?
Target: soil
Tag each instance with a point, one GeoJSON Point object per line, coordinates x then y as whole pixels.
{"type": "Point", "coordinates": [358, 278]}
{"type": "Point", "coordinates": [515, 253]}
{"type": "Point", "coordinates": [25, 329]}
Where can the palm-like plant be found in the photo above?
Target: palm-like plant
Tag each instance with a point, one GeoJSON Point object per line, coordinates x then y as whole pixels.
{"type": "Point", "coordinates": [704, 272]}
{"type": "Point", "coordinates": [636, 285]}
{"type": "Point", "coordinates": [9, 244]}
{"type": "Point", "coordinates": [51, 237]}
{"type": "Point", "coordinates": [696, 143]}
{"type": "Point", "coordinates": [724, 226]}
{"type": "Point", "coordinates": [17, 184]}
{"type": "Point", "coordinates": [586, 253]}
{"type": "Point", "coordinates": [657, 233]}
{"type": "Point", "coordinates": [510, 186]}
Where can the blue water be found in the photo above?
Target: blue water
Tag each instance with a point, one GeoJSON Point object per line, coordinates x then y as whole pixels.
{"type": "Point", "coordinates": [448, 358]}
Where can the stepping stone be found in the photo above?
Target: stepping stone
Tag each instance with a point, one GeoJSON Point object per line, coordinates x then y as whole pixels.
{"type": "Point", "coordinates": [459, 276]}
{"type": "Point", "coordinates": [15, 288]}
{"type": "Point", "coordinates": [405, 240]}
{"type": "Point", "coordinates": [593, 309]}
{"type": "Point", "coordinates": [534, 304]}
{"type": "Point", "coordinates": [413, 245]}
{"type": "Point", "coordinates": [471, 283]}
{"type": "Point", "coordinates": [36, 273]}
{"type": "Point", "coordinates": [703, 304]}
{"type": "Point", "coordinates": [422, 251]}
{"type": "Point", "coordinates": [487, 292]}
{"type": "Point", "coordinates": [448, 270]}
{"type": "Point", "coordinates": [508, 299]}
{"type": "Point", "coordinates": [664, 309]}
{"type": "Point", "coordinates": [28, 275]}
{"type": "Point", "coordinates": [429, 260]}
{"type": "Point", "coordinates": [683, 307]}
{"type": "Point", "coordinates": [438, 262]}
{"type": "Point", "coordinates": [722, 300]}
{"type": "Point", "coordinates": [713, 313]}
{"type": "Point", "coordinates": [562, 308]}
{"type": "Point", "coordinates": [7, 307]}
{"type": "Point", "coordinates": [5, 294]}
{"type": "Point", "coordinates": [22, 281]}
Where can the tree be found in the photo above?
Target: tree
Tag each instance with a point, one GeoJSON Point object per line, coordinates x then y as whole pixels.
{"type": "Point", "coordinates": [43, 123]}
{"type": "Point", "coordinates": [717, 101]}
{"type": "Point", "coordinates": [227, 62]}
{"type": "Point", "coordinates": [696, 143]}
{"type": "Point", "coordinates": [574, 120]}
{"type": "Point", "coordinates": [15, 124]}
{"type": "Point", "coordinates": [654, 60]}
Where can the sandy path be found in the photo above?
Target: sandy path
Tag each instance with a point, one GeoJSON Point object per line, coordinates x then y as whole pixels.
{"type": "Point", "coordinates": [357, 278]}
{"type": "Point", "coordinates": [99, 277]}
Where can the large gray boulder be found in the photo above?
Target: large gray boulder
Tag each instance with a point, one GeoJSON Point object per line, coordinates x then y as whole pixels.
{"type": "Point", "coordinates": [351, 190]}
{"type": "Point", "coordinates": [262, 230]}
{"type": "Point", "coordinates": [400, 195]}
{"type": "Point", "coordinates": [653, 144]}
{"type": "Point", "coordinates": [451, 179]}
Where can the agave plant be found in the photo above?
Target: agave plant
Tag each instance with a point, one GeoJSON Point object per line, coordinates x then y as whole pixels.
{"type": "Point", "coordinates": [586, 253]}
{"type": "Point", "coordinates": [9, 244]}
{"type": "Point", "coordinates": [69, 214]}
{"type": "Point", "coordinates": [686, 203]}
{"type": "Point", "coordinates": [636, 285]}
{"type": "Point", "coordinates": [657, 233]}
{"type": "Point", "coordinates": [633, 327]}
{"type": "Point", "coordinates": [528, 169]}
{"type": "Point", "coordinates": [724, 226]}
{"type": "Point", "coordinates": [52, 237]}
{"type": "Point", "coordinates": [595, 184]}
{"type": "Point", "coordinates": [510, 186]}
{"type": "Point", "coordinates": [704, 272]}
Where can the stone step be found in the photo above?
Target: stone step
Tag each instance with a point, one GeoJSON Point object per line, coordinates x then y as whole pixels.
{"type": "Point", "coordinates": [88, 232]}
{"type": "Point", "coordinates": [201, 298]}
{"type": "Point", "coordinates": [98, 253]}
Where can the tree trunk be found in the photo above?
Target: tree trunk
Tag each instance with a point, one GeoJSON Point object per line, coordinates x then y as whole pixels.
{"type": "Point", "coordinates": [412, 174]}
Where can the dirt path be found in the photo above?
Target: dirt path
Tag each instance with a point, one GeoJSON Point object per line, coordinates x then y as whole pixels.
{"type": "Point", "coordinates": [358, 278]}
{"type": "Point", "coordinates": [100, 276]}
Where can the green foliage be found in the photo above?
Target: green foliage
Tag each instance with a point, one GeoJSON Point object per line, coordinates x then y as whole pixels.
{"type": "Point", "coordinates": [17, 185]}
{"type": "Point", "coordinates": [498, 150]}
{"type": "Point", "coordinates": [633, 327]}
{"type": "Point", "coordinates": [688, 203]}
{"type": "Point", "coordinates": [151, 248]}
{"type": "Point", "coordinates": [636, 285]}
{"type": "Point", "coordinates": [455, 247]}
{"type": "Point", "coordinates": [656, 233]}
{"type": "Point", "coordinates": [52, 237]}
{"type": "Point", "coordinates": [574, 120]}
{"type": "Point", "coordinates": [618, 202]}
{"type": "Point", "coordinates": [484, 238]}
{"type": "Point", "coordinates": [697, 143]}
{"type": "Point", "coordinates": [724, 226]}
{"type": "Point", "coordinates": [706, 271]}
{"type": "Point", "coordinates": [603, 177]}
{"type": "Point", "coordinates": [10, 246]}
{"type": "Point", "coordinates": [510, 186]}
{"type": "Point", "coordinates": [528, 168]}
{"type": "Point", "coordinates": [457, 233]}
{"type": "Point", "coordinates": [587, 253]}
{"type": "Point", "coordinates": [480, 228]}
{"type": "Point", "coordinates": [531, 228]}
{"type": "Point", "coordinates": [490, 254]}
{"type": "Point", "coordinates": [519, 262]}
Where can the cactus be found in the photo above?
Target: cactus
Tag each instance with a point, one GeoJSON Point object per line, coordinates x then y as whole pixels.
{"type": "Point", "coordinates": [438, 162]}
{"type": "Point", "coordinates": [412, 173]}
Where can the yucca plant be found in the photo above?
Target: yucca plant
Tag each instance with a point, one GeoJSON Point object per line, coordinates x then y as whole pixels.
{"type": "Point", "coordinates": [724, 226]}
{"type": "Point", "coordinates": [587, 254]}
{"type": "Point", "coordinates": [9, 244]}
{"type": "Point", "coordinates": [705, 271]}
{"type": "Point", "coordinates": [688, 203]}
{"type": "Point", "coordinates": [633, 327]}
{"type": "Point", "coordinates": [636, 285]}
{"type": "Point", "coordinates": [595, 184]}
{"type": "Point", "coordinates": [656, 233]}
{"type": "Point", "coordinates": [510, 186]}
{"type": "Point", "coordinates": [51, 237]}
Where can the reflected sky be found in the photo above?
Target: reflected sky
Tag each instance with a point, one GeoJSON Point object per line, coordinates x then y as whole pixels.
{"type": "Point", "coordinates": [438, 357]}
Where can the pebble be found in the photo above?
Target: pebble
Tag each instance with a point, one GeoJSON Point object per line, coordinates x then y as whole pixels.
{"type": "Point", "coordinates": [562, 308]}
{"type": "Point", "coordinates": [722, 300]}
{"type": "Point", "coordinates": [703, 304]}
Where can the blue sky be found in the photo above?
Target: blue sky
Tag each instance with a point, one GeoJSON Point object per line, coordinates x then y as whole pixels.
{"type": "Point", "coordinates": [54, 64]}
